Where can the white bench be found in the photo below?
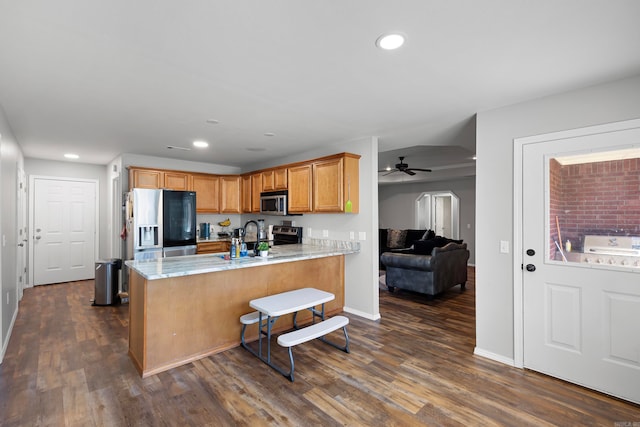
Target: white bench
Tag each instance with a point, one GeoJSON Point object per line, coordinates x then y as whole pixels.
{"type": "Point", "coordinates": [313, 331]}
{"type": "Point", "coordinates": [250, 318]}
{"type": "Point", "coordinates": [316, 330]}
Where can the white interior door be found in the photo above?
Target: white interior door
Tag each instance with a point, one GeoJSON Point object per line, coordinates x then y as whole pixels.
{"type": "Point", "coordinates": [21, 255]}
{"type": "Point", "coordinates": [64, 229]}
{"type": "Point", "coordinates": [580, 319]}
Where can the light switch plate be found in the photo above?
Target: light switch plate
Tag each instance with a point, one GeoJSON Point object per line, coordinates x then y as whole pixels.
{"type": "Point", "coordinates": [362, 235]}
{"type": "Point", "coordinates": [325, 233]}
{"type": "Point", "coordinates": [504, 246]}
{"type": "Point", "coordinates": [352, 235]}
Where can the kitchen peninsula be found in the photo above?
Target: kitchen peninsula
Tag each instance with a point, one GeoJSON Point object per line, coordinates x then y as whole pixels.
{"type": "Point", "coordinates": [185, 308]}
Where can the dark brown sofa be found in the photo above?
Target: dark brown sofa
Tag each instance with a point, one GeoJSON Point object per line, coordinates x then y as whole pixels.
{"type": "Point", "coordinates": [402, 244]}
{"type": "Point", "coordinates": [432, 274]}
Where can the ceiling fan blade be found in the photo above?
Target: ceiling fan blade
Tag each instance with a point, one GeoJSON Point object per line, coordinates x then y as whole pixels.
{"type": "Point", "coordinates": [420, 170]}
{"type": "Point", "coordinates": [409, 172]}
{"type": "Point", "coordinates": [389, 171]}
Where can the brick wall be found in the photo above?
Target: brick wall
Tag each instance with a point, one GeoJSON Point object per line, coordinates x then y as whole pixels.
{"type": "Point", "coordinates": [595, 198]}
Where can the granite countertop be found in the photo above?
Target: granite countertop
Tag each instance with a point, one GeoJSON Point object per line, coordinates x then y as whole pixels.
{"type": "Point", "coordinates": [162, 268]}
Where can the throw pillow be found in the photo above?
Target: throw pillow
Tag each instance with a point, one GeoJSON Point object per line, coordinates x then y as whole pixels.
{"type": "Point", "coordinates": [396, 238]}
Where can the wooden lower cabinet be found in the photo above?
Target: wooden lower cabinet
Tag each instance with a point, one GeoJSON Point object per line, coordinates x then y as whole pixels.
{"type": "Point", "coordinates": [177, 320]}
{"type": "Point", "coordinates": [213, 247]}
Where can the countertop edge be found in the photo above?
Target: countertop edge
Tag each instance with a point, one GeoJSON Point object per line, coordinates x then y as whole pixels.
{"type": "Point", "coordinates": [164, 268]}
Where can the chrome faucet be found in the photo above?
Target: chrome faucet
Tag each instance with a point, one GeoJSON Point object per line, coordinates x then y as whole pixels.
{"type": "Point", "coordinates": [255, 247]}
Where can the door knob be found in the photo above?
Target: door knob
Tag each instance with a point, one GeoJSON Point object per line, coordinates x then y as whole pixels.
{"type": "Point", "coordinates": [38, 237]}
{"type": "Point", "coordinates": [531, 267]}
{"type": "Point", "coordinates": [21, 244]}
{"type": "Point", "coordinates": [531, 252]}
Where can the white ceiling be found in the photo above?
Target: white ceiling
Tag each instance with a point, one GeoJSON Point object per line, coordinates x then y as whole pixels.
{"type": "Point", "coordinates": [99, 78]}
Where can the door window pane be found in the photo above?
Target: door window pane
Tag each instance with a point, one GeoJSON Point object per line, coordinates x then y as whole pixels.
{"type": "Point", "coordinates": [594, 208]}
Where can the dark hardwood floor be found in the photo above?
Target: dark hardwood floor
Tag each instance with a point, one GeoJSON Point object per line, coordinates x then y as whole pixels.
{"type": "Point", "coordinates": [67, 364]}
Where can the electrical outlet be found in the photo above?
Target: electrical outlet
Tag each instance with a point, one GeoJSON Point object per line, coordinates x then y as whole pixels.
{"type": "Point", "coordinates": [504, 247]}
{"type": "Point", "coordinates": [362, 235]}
{"type": "Point", "coordinates": [325, 233]}
{"type": "Point", "coordinates": [352, 235]}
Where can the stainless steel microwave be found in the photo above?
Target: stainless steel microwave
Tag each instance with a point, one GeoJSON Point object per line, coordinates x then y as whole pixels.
{"type": "Point", "coordinates": [273, 202]}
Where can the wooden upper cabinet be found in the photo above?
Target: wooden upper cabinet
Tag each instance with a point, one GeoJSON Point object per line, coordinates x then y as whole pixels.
{"type": "Point", "coordinates": [152, 178]}
{"type": "Point", "coordinates": [230, 194]}
{"type": "Point", "coordinates": [177, 180]}
{"type": "Point", "coordinates": [256, 189]}
{"type": "Point", "coordinates": [274, 179]}
{"type": "Point", "coordinates": [336, 184]}
{"type": "Point", "coordinates": [322, 185]}
{"type": "Point", "coordinates": [246, 194]}
{"type": "Point", "coordinates": [207, 188]}
{"type": "Point", "coordinates": [145, 178]}
{"type": "Point", "coordinates": [268, 183]}
{"type": "Point", "coordinates": [280, 179]}
{"type": "Point", "coordinates": [300, 190]}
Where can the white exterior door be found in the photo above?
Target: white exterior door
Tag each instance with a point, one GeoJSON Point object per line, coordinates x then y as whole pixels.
{"type": "Point", "coordinates": [63, 231]}
{"type": "Point", "coordinates": [581, 319]}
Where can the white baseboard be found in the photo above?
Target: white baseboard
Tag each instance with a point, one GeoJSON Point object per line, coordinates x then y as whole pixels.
{"type": "Point", "coordinates": [493, 356]}
{"type": "Point", "coordinates": [361, 314]}
{"type": "Point", "coordinates": [5, 344]}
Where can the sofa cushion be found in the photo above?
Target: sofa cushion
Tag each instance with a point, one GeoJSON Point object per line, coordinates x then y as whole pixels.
{"type": "Point", "coordinates": [425, 247]}
{"type": "Point", "coordinates": [396, 238]}
{"type": "Point", "coordinates": [412, 236]}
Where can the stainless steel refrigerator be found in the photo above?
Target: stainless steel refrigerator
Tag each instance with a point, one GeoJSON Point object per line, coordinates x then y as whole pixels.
{"type": "Point", "coordinates": [160, 223]}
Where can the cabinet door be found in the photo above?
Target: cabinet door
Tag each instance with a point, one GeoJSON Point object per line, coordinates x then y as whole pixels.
{"type": "Point", "coordinates": [230, 194]}
{"type": "Point", "coordinates": [177, 180]}
{"type": "Point", "coordinates": [246, 194]}
{"type": "Point", "coordinates": [212, 247]}
{"type": "Point", "coordinates": [145, 178]}
{"type": "Point", "coordinates": [327, 186]}
{"type": "Point", "coordinates": [280, 179]}
{"type": "Point", "coordinates": [300, 189]}
{"type": "Point", "coordinates": [207, 188]}
{"type": "Point", "coordinates": [268, 181]}
{"type": "Point", "coordinates": [256, 189]}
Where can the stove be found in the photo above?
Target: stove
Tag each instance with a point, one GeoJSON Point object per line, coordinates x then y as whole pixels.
{"type": "Point", "coordinates": [286, 235]}
{"type": "Point", "coordinates": [612, 250]}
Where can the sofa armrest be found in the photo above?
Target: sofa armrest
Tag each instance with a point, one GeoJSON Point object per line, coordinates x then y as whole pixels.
{"type": "Point", "coordinates": [406, 260]}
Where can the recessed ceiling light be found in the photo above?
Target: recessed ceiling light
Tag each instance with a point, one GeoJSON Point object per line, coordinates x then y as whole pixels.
{"type": "Point", "coordinates": [71, 156]}
{"type": "Point", "coordinates": [269, 134]}
{"type": "Point", "coordinates": [213, 121]}
{"type": "Point", "coordinates": [390, 41]}
{"type": "Point", "coordinates": [200, 144]}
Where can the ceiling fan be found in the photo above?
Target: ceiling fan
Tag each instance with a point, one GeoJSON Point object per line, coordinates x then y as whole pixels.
{"type": "Point", "coordinates": [403, 167]}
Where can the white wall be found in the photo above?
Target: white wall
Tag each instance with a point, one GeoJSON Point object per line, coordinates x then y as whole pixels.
{"type": "Point", "coordinates": [10, 160]}
{"type": "Point", "coordinates": [361, 270]}
{"type": "Point", "coordinates": [397, 205]}
{"type": "Point", "coordinates": [496, 130]}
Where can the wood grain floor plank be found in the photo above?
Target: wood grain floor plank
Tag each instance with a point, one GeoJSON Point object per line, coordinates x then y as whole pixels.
{"type": "Point", "coordinates": [67, 364]}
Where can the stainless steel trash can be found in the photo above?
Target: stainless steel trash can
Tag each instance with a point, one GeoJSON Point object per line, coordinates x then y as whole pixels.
{"type": "Point", "coordinates": [106, 281]}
